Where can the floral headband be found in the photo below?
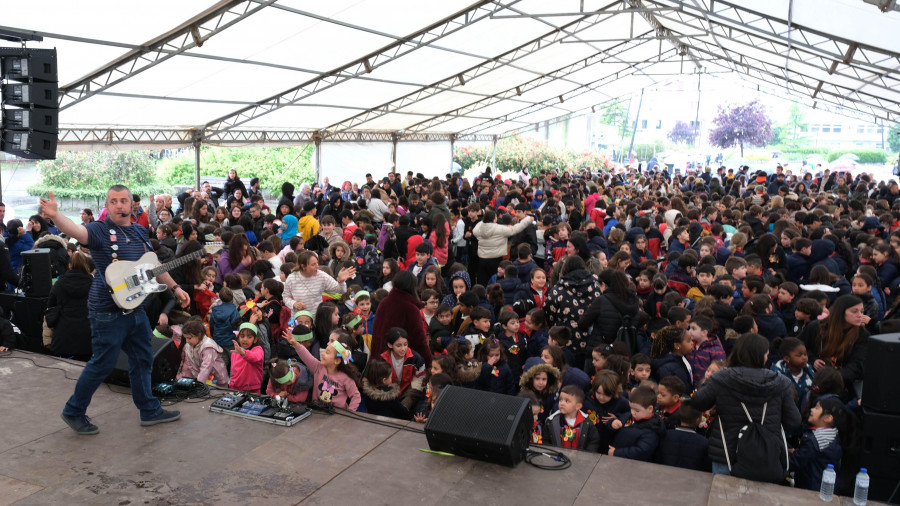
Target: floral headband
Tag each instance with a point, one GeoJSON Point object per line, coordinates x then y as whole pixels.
{"type": "Point", "coordinates": [342, 352]}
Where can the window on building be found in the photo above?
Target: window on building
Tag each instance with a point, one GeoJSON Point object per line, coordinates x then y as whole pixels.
{"type": "Point", "coordinates": [836, 129]}
{"type": "Point", "coordinates": [871, 130]}
{"type": "Point", "coordinates": [826, 129]}
{"type": "Point", "coordinates": [881, 129]}
{"type": "Point", "coordinates": [643, 124]}
{"type": "Point", "coordinates": [861, 129]}
{"type": "Point", "coordinates": [659, 124]}
{"type": "Point", "coordinates": [814, 128]}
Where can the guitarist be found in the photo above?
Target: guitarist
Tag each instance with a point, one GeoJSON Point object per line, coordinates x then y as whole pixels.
{"type": "Point", "coordinates": [113, 329]}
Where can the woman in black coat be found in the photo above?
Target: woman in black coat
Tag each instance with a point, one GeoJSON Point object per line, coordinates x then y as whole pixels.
{"type": "Point", "coordinates": [72, 333]}
{"type": "Point", "coordinates": [606, 312]}
{"type": "Point", "coordinates": [840, 341]}
{"type": "Point", "coordinates": [746, 380]}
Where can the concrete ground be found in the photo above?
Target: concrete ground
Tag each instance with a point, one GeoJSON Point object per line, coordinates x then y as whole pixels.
{"type": "Point", "coordinates": [208, 458]}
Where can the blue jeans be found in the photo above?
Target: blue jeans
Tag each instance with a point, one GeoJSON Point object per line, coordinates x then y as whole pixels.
{"type": "Point", "coordinates": [719, 468]}
{"type": "Point", "coordinates": [112, 332]}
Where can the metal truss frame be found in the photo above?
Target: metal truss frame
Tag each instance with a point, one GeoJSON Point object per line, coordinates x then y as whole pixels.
{"type": "Point", "coordinates": [458, 81]}
{"type": "Point", "coordinates": [817, 68]}
{"type": "Point", "coordinates": [360, 66]}
{"type": "Point", "coordinates": [192, 33]}
{"type": "Point", "coordinates": [185, 137]}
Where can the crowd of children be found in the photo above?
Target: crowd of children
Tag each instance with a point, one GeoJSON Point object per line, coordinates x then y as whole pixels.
{"type": "Point", "coordinates": [605, 299]}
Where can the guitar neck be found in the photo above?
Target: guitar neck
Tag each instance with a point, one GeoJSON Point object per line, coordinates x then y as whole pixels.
{"type": "Point", "coordinates": [178, 262]}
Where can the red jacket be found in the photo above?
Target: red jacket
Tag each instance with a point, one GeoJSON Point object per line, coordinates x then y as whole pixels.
{"type": "Point", "coordinates": [412, 373]}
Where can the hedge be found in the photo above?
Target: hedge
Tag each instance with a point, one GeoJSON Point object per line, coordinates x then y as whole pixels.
{"type": "Point", "coordinates": [273, 166]}
{"type": "Point", "coordinates": [514, 153]}
{"type": "Point", "coordinates": [865, 155]}
{"type": "Point", "coordinates": [97, 194]}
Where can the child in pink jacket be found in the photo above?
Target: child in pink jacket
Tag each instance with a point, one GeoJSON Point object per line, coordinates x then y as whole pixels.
{"type": "Point", "coordinates": [201, 356]}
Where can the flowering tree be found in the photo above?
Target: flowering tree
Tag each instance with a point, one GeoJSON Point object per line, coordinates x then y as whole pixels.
{"type": "Point", "coordinates": [741, 124]}
{"type": "Point", "coordinates": [682, 132]}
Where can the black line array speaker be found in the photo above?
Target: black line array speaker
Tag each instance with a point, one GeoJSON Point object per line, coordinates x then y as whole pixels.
{"type": "Point", "coordinates": [480, 425]}
{"type": "Point", "coordinates": [166, 361]}
{"type": "Point", "coordinates": [37, 278]}
{"type": "Point", "coordinates": [881, 453]}
{"type": "Point", "coordinates": [881, 390]}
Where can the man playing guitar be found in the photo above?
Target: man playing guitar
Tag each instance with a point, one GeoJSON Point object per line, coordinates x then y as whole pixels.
{"type": "Point", "coordinates": [113, 329]}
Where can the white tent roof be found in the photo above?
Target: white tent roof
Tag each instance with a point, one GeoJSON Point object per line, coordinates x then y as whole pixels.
{"type": "Point", "coordinates": [254, 71]}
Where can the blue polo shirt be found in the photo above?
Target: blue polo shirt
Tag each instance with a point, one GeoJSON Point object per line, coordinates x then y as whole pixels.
{"type": "Point", "coordinates": [131, 242]}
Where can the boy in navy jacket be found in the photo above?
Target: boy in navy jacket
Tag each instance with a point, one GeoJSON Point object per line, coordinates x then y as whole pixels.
{"type": "Point", "coordinates": [683, 447]}
{"type": "Point", "coordinates": [641, 431]}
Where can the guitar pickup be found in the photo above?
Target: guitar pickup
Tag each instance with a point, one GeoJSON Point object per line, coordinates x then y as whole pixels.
{"type": "Point", "coordinates": [133, 281]}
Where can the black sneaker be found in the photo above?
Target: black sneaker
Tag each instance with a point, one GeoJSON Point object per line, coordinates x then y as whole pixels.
{"type": "Point", "coordinates": [163, 417]}
{"type": "Point", "coordinates": [81, 424]}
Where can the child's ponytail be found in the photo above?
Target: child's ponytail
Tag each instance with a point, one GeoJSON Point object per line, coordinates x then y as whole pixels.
{"type": "Point", "coordinates": [665, 341]}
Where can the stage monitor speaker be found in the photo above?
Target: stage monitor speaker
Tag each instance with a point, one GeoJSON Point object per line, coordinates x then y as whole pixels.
{"type": "Point", "coordinates": [166, 361]}
{"type": "Point", "coordinates": [480, 425]}
{"type": "Point", "coordinates": [36, 274]}
{"type": "Point", "coordinates": [881, 453]}
{"type": "Point", "coordinates": [881, 390]}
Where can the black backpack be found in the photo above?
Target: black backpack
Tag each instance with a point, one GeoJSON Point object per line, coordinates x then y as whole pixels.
{"type": "Point", "coordinates": [627, 334]}
{"type": "Point", "coordinates": [761, 454]}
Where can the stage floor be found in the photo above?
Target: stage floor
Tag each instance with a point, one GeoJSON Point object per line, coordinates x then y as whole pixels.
{"type": "Point", "coordinates": [208, 458]}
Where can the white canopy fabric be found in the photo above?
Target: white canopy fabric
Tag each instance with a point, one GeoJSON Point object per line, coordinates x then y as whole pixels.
{"type": "Point", "coordinates": [245, 72]}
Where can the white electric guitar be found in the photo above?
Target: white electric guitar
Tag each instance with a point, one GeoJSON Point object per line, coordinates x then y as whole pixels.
{"type": "Point", "coordinates": [131, 282]}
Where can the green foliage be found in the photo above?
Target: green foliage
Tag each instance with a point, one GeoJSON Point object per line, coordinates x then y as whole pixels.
{"type": "Point", "coordinates": [98, 169]}
{"type": "Point", "coordinates": [805, 150]}
{"type": "Point", "coordinates": [643, 151]}
{"type": "Point", "coordinates": [616, 114]}
{"type": "Point", "coordinates": [273, 166]}
{"type": "Point", "coordinates": [865, 155]}
{"type": "Point", "coordinates": [795, 124]}
{"type": "Point", "coordinates": [513, 153]}
{"type": "Point", "coordinates": [893, 138]}
{"type": "Point", "coordinates": [97, 193]}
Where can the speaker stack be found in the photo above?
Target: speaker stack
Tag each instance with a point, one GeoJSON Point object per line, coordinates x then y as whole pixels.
{"type": "Point", "coordinates": [166, 361]}
{"type": "Point", "coordinates": [881, 417]}
{"type": "Point", "coordinates": [480, 425]}
{"type": "Point", "coordinates": [37, 277]}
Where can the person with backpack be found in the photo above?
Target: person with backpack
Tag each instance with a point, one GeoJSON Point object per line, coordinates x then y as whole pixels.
{"type": "Point", "coordinates": [754, 409]}
{"type": "Point", "coordinates": [617, 307]}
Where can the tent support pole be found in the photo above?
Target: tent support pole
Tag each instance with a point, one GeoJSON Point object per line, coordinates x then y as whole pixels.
{"type": "Point", "coordinates": [196, 143]}
{"type": "Point", "coordinates": [394, 153]}
{"type": "Point", "coordinates": [317, 159]}
{"type": "Point", "coordinates": [494, 155]}
{"type": "Point", "coordinates": [452, 147]}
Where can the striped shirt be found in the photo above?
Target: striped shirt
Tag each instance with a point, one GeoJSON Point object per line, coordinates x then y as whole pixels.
{"type": "Point", "coordinates": [131, 245]}
{"type": "Point", "coordinates": [308, 290]}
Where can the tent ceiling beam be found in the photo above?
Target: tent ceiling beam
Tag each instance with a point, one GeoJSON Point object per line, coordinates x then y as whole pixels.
{"type": "Point", "coordinates": [73, 137]}
{"type": "Point", "coordinates": [177, 41]}
{"type": "Point", "coordinates": [553, 102]}
{"type": "Point", "coordinates": [522, 88]}
{"type": "Point", "coordinates": [454, 83]}
{"type": "Point", "coordinates": [421, 38]}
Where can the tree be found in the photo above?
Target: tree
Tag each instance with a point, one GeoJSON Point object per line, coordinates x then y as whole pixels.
{"type": "Point", "coordinates": [795, 124]}
{"type": "Point", "coordinates": [743, 124]}
{"type": "Point", "coordinates": [682, 132]}
{"type": "Point", "coordinates": [893, 138]}
{"type": "Point", "coordinates": [616, 114]}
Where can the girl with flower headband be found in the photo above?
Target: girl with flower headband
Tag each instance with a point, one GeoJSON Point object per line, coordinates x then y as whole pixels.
{"type": "Point", "coordinates": [288, 379]}
{"type": "Point", "coordinates": [334, 378]}
{"type": "Point", "coordinates": [247, 359]}
{"type": "Point", "coordinates": [300, 326]}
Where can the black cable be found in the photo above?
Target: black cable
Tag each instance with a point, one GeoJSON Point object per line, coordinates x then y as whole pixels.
{"type": "Point", "coordinates": [357, 416]}
{"type": "Point", "coordinates": [532, 454]}
{"type": "Point", "coordinates": [65, 372]}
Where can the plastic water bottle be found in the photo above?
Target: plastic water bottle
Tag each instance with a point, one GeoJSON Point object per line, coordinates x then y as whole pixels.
{"type": "Point", "coordinates": [826, 491]}
{"type": "Point", "coordinates": [861, 490]}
